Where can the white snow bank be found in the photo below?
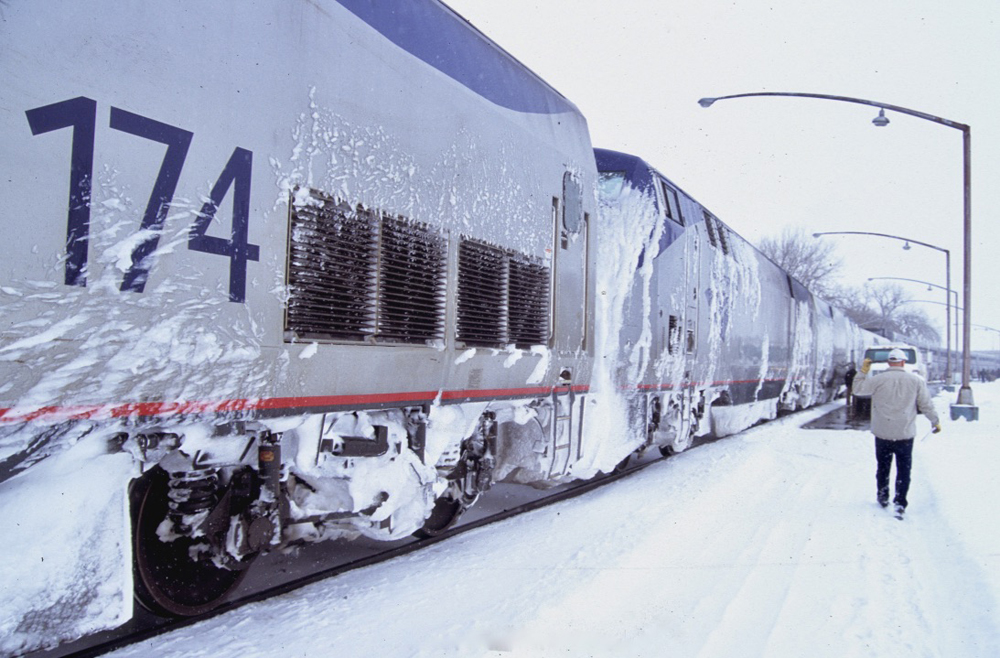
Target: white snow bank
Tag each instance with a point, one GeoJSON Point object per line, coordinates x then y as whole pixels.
{"type": "Point", "coordinates": [67, 568]}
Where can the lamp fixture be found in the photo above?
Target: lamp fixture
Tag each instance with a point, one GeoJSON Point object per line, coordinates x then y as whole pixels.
{"type": "Point", "coordinates": [881, 120]}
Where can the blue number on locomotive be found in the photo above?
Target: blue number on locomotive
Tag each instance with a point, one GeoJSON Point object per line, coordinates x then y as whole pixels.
{"type": "Point", "coordinates": [81, 114]}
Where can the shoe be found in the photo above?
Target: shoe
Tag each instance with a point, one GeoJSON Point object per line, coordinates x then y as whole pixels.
{"type": "Point", "coordinates": [882, 496]}
{"type": "Point", "coordinates": [899, 511]}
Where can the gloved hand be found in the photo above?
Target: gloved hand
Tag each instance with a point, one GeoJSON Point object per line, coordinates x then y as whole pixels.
{"type": "Point", "coordinates": [937, 428]}
{"type": "Point", "coordinates": [866, 365]}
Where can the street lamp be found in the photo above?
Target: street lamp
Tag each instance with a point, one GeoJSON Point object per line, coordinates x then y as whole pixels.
{"type": "Point", "coordinates": [948, 306]}
{"type": "Point", "coordinates": [983, 326]}
{"type": "Point", "coordinates": [947, 269]}
{"type": "Point", "coordinates": [965, 406]}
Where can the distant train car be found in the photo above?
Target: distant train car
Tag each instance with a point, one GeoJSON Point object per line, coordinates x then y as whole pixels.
{"type": "Point", "coordinates": [732, 339]}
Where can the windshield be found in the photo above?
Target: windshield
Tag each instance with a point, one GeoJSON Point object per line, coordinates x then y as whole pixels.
{"type": "Point", "coordinates": [609, 184]}
{"type": "Point", "coordinates": [881, 354]}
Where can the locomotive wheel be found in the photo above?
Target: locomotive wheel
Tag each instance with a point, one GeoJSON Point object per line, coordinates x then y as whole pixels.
{"type": "Point", "coordinates": [676, 446]}
{"type": "Point", "coordinates": [446, 511]}
{"type": "Point", "coordinates": [622, 465]}
{"type": "Point", "coordinates": [677, 417]}
{"type": "Point", "coordinates": [464, 487]}
{"type": "Point", "coordinates": [167, 581]}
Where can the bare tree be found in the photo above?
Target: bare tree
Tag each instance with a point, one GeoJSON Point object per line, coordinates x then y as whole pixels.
{"type": "Point", "coordinates": [854, 303]}
{"type": "Point", "coordinates": [885, 309]}
{"type": "Point", "coordinates": [880, 308]}
{"type": "Point", "coordinates": [887, 298]}
{"type": "Point", "coordinates": [812, 262]}
{"type": "Point", "coordinates": [915, 323]}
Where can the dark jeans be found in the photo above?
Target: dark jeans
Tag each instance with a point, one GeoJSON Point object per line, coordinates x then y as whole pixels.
{"type": "Point", "coordinates": [884, 450]}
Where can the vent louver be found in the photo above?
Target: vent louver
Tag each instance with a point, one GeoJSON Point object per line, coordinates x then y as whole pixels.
{"type": "Point", "coordinates": [528, 303]}
{"type": "Point", "coordinates": [411, 282]}
{"type": "Point", "coordinates": [353, 275]}
{"type": "Point", "coordinates": [481, 277]}
{"type": "Point", "coordinates": [331, 268]}
{"type": "Point", "coordinates": [503, 297]}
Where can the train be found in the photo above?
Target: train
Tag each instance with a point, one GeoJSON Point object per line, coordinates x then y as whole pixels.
{"type": "Point", "coordinates": [325, 270]}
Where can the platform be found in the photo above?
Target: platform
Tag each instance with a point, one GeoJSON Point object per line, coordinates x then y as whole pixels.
{"type": "Point", "coordinates": [839, 420]}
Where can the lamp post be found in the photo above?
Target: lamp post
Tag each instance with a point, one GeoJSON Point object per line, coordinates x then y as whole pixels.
{"type": "Point", "coordinates": [947, 268]}
{"type": "Point", "coordinates": [948, 306]}
{"type": "Point", "coordinates": [965, 406]}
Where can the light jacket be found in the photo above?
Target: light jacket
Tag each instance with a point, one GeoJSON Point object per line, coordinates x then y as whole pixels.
{"type": "Point", "coordinates": [897, 395]}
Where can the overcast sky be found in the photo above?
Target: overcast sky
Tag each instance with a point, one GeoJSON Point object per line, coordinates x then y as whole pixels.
{"type": "Point", "coordinates": [636, 68]}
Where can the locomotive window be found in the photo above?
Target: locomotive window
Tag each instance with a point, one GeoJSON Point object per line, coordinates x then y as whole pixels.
{"type": "Point", "coordinates": [610, 184]}
{"type": "Point", "coordinates": [673, 334]}
{"type": "Point", "coordinates": [667, 210]}
{"type": "Point", "coordinates": [560, 231]}
{"type": "Point", "coordinates": [572, 203]}
{"type": "Point", "coordinates": [671, 203]}
{"type": "Point", "coordinates": [711, 229]}
{"type": "Point", "coordinates": [723, 240]}
{"type": "Point", "coordinates": [717, 232]}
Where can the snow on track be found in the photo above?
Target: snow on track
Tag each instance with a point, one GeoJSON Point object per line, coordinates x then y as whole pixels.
{"type": "Point", "coordinates": [768, 543]}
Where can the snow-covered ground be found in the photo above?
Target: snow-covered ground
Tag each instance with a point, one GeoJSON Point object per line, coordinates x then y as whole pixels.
{"type": "Point", "coordinates": [768, 543]}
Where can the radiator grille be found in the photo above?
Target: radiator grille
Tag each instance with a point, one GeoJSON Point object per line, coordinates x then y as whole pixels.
{"type": "Point", "coordinates": [503, 297]}
{"type": "Point", "coordinates": [331, 271]}
{"type": "Point", "coordinates": [354, 275]}
{"type": "Point", "coordinates": [482, 273]}
{"type": "Point", "coordinates": [411, 282]}
{"type": "Point", "coordinates": [528, 302]}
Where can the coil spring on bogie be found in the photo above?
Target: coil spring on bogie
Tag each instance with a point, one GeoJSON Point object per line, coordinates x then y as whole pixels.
{"type": "Point", "coordinates": [191, 492]}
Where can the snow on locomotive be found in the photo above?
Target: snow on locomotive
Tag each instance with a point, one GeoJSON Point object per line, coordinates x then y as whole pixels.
{"type": "Point", "coordinates": [320, 270]}
{"type": "Point", "coordinates": [719, 337]}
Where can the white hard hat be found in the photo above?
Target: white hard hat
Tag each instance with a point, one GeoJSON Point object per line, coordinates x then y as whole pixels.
{"type": "Point", "coordinates": [897, 355]}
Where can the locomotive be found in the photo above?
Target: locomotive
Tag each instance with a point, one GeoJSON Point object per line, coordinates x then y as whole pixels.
{"type": "Point", "coordinates": [333, 269]}
{"type": "Point", "coordinates": [733, 339]}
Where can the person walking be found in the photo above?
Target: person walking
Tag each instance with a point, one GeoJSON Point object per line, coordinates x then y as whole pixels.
{"type": "Point", "coordinates": [849, 382]}
{"type": "Point", "coordinates": [897, 396]}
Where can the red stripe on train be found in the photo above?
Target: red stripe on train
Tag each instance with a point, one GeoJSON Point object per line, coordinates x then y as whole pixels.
{"type": "Point", "coordinates": [152, 409]}
{"type": "Point", "coordinates": [149, 409]}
